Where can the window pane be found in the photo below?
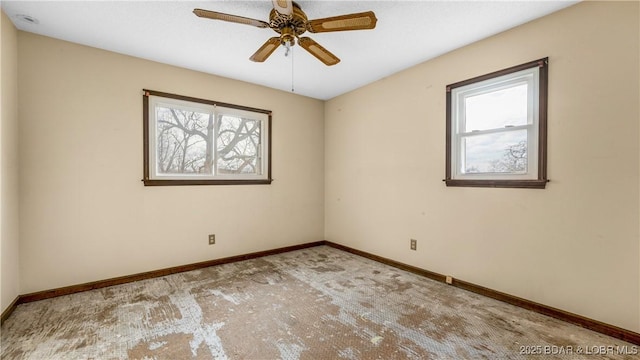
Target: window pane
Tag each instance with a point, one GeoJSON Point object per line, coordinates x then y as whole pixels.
{"type": "Point", "coordinates": [237, 145]}
{"type": "Point", "coordinates": [192, 141]}
{"type": "Point", "coordinates": [181, 141]}
{"type": "Point", "coordinates": [504, 152]}
{"type": "Point", "coordinates": [496, 109]}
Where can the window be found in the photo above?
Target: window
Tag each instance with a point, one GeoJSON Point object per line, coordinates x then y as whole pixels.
{"type": "Point", "coordinates": [189, 141]}
{"type": "Point", "coordinates": [497, 129]}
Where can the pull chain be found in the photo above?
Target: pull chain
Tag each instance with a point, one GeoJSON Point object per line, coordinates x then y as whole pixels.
{"type": "Point", "coordinates": [292, 90]}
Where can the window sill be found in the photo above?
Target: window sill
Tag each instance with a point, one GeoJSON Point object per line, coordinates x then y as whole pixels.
{"type": "Point", "coordinates": [521, 184]}
{"type": "Point", "coordinates": [149, 182]}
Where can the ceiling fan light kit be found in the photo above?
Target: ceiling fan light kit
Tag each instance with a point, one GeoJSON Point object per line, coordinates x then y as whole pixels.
{"type": "Point", "coordinates": [288, 20]}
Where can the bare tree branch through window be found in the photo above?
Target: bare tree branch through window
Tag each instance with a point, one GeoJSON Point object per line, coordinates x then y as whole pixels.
{"type": "Point", "coordinates": [193, 139]}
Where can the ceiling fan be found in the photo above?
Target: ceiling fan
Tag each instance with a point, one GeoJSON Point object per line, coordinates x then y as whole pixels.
{"type": "Point", "coordinates": [288, 20]}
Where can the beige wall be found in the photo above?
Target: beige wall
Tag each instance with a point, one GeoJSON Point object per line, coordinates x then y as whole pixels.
{"type": "Point", "coordinates": [85, 214]}
{"type": "Point", "coordinates": [575, 245]}
{"type": "Point", "coordinates": [9, 280]}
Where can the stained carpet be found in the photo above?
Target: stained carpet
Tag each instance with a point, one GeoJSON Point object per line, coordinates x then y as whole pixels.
{"type": "Point", "coordinates": [317, 303]}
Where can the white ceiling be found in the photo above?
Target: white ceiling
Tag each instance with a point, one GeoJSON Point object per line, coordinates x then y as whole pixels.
{"type": "Point", "coordinates": [407, 33]}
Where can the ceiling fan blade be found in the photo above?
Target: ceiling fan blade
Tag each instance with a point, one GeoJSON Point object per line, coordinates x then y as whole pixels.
{"type": "Point", "coordinates": [318, 51]}
{"type": "Point", "coordinates": [230, 18]}
{"type": "Point", "coordinates": [265, 50]}
{"type": "Point", "coordinates": [358, 21]}
{"type": "Point", "coordinates": [284, 7]}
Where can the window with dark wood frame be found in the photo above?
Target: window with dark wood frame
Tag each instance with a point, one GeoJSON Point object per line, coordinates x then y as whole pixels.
{"type": "Point", "coordinates": [496, 128]}
{"type": "Point", "coordinates": [191, 141]}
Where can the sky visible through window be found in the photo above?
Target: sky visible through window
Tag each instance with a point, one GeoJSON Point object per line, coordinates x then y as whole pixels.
{"type": "Point", "coordinates": [499, 109]}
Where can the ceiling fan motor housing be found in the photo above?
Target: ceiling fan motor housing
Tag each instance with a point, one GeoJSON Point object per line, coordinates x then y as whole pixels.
{"type": "Point", "coordinates": [281, 23]}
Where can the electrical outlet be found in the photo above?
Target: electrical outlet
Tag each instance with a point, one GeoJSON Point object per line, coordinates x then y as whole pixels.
{"type": "Point", "coordinates": [414, 244]}
{"type": "Point", "coordinates": [212, 239]}
{"type": "Point", "coordinates": [449, 280]}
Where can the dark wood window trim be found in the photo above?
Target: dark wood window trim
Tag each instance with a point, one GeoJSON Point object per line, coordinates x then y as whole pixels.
{"type": "Point", "coordinates": [541, 180]}
{"type": "Point", "coordinates": [173, 182]}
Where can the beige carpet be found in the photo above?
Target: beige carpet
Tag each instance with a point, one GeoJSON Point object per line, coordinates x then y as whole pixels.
{"type": "Point", "coordinates": [318, 303]}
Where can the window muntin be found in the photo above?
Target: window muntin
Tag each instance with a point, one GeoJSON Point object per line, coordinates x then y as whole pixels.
{"type": "Point", "coordinates": [496, 128]}
{"type": "Point", "coordinates": [194, 142]}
